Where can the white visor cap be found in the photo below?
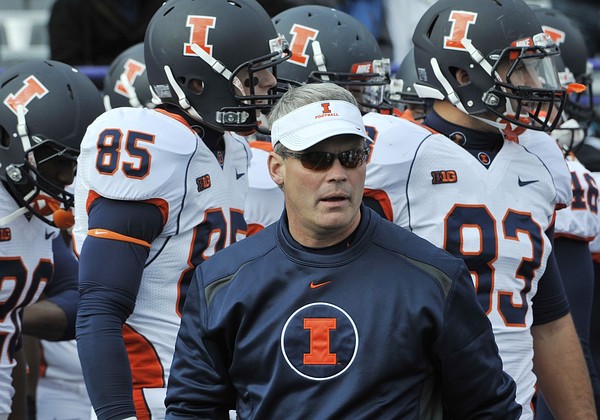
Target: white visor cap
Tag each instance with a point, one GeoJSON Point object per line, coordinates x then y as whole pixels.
{"type": "Point", "coordinates": [308, 125]}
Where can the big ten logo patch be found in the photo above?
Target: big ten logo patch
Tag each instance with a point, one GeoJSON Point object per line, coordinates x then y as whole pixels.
{"type": "Point", "coordinates": [444, 177]}
{"type": "Point", "coordinates": [5, 234]}
{"type": "Point", "coordinates": [319, 341]}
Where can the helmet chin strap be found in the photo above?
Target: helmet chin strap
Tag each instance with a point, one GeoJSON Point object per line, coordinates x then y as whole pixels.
{"type": "Point", "coordinates": [450, 93]}
{"type": "Point", "coordinates": [217, 66]}
{"type": "Point", "coordinates": [319, 58]}
{"type": "Point", "coordinates": [130, 89]}
{"type": "Point", "coordinates": [182, 100]}
{"type": "Point", "coordinates": [22, 127]}
{"type": "Point", "coordinates": [22, 210]}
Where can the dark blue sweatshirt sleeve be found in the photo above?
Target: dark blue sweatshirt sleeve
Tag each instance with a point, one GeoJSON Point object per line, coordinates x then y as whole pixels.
{"type": "Point", "coordinates": [110, 273]}
{"type": "Point", "coordinates": [62, 289]}
{"type": "Point", "coordinates": [550, 302]}
{"type": "Point", "coordinates": [199, 386]}
{"type": "Point", "coordinates": [469, 360]}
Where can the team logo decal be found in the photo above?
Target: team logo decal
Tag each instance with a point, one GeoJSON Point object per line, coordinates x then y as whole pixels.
{"type": "Point", "coordinates": [484, 158]}
{"type": "Point", "coordinates": [132, 69]}
{"type": "Point", "coordinates": [461, 21]}
{"type": "Point", "coordinates": [301, 36]}
{"type": "Point", "coordinates": [458, 138]}
{"type": "Point", "coordinates": [32, 88]}
{"type": "Point", "coordinates": [199, 34]}
{"type": "Point", "coordinates": [326, 111]}
{"type": "Point", "coordinates": [557, 36]}
{"type": "Point", "coordinates": [319, 341]}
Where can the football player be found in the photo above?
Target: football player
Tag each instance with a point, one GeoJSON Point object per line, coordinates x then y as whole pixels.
{"type": "Point", "coordinates": [46, 107]}
{"type": "Point", "coordinates": [579, 223]}
{"type": "Point", "coordinates": [126, 82]}
{"type": "Point", "coordinates": [164, 190]}
{"type": "Point", "coordinates": [402, 95]}
{"type": "Point", "coordinates": [327, 46]}
{"type": "Point", "coordinates": [60, 391]}
{"type": "Point", "coordinates": [470, 182]}
{"type": "Point", "coordinates": [331, 46]}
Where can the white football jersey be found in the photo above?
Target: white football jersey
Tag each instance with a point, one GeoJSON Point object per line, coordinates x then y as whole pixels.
{"type": "Point", "coordinates": [26, 266]}
{"type": "Point", "coordinates": [264, 204]}
{"type": "Point", "coordinates": [494, 218]}
{"type": "Point", "coordinates": [145, 155]}
{"type": "Point", "coordinates": [595, 244]}
{"type": "Point", "coordinates": [580, 220]}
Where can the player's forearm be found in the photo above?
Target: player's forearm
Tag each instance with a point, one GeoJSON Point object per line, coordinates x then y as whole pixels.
{"type": "Point", "coordinates": [45, 320]}
{"type": "Point", "coordinates": [562, 373]}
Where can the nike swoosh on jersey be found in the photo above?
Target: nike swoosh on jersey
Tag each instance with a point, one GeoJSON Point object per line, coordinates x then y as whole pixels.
{"type": "Point", "coordinates": [523, 183]}
{"type": "Point", "coordinates": [238, 175]}
{"type": "Point", "coordinates": [48, 235]}
{"type": "Point", "coordinates": [314, 285]}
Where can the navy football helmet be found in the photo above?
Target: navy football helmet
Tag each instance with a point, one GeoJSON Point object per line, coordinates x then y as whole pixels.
{"type": "Point", "coordinates": [46, 109]}
{"type": "Point", "coordinates": [575, 74]}
{"type": "Point", "coordinates": [402, 93]}
{"type": "Point", "coordinates": [126, 82]}
{"type": "Point", "coordinates": [195, 51]}
{"type": "Point", "coordinates": [331, 46]}
{"type": "Point", "coordinates": [491, 59]}
{"type": "Point", "coordinates": [572, 64]}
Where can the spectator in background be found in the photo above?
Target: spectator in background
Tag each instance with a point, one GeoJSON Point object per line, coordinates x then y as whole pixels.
{"type": "Point", "coordinates": [274, 7]}
{"type": "Point", "coordinates": [401, 17]}
{"type": "Point", "coordinates": [94, 32]}
{"type": "Point", "coordinates": [586, 15]}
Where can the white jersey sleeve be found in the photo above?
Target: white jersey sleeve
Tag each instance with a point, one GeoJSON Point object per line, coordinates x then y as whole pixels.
{"type": "Point", "coordinates": [396, 141]}
{"type": "Point", "coordinates": [545, 147]}
{"type": "Point", "coordinates": [117, 160]}
{"type": "Point", "coordinates": [264, 204]}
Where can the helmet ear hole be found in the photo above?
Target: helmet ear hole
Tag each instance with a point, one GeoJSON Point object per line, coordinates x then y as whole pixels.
{"type": "Point", "coordinates": [196, 86]}
{"type": "Point", "coordinates": [460, 75]}
{"type": "Point", "coordinates": [5, 139]}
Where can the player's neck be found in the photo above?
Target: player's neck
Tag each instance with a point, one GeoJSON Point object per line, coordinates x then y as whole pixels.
{"type": "Point", "coordinates": [455, 116]}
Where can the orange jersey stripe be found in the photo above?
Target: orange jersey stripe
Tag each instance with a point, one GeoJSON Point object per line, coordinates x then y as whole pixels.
{"type": "Point", "coordinates": [383, 200]}
{"type": "Point", "coordinates": [175, 117]}
{"type": "Point", "coordinates": [254, 228]}
{"type": "Point", "coordinates": [146, 368]}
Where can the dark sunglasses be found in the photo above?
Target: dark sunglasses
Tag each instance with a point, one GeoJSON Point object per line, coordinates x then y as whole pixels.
{"type": "Point", "coordinates": [319, 161]}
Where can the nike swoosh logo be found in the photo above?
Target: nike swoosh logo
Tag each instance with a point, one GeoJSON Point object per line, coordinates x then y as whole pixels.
{"type": "Point", "coordinates": [238, 175]}
{"type": "Point", "coordinates": [314, 285]}
{"type": "Point", "coordinates": [523, 183]}
{"type": "Point", "coordinates": [48, 235]}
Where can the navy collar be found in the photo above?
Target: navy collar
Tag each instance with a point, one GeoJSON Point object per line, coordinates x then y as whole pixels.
{"type": "Point", "coordinates": [472, 140]}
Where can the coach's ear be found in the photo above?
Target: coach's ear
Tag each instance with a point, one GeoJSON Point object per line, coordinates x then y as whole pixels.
{"type": "Point", "coordinates": [276, 168]}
